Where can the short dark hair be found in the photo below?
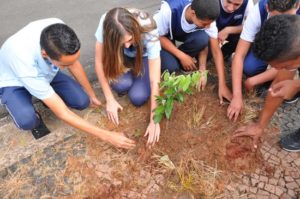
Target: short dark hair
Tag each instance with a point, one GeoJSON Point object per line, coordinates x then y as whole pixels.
{"type": "Point", "coordinates": [59, 39]}
{"type": "Point", "coordinates": [206, 9]}
{"type": "Point", "coordinates": [282, 5]}
{"type": "Point", "coordinates": [278, 39]}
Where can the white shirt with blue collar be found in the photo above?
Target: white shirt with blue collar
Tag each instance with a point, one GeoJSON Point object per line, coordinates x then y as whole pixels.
{"type": "Point", "coordinates": [22, 64]}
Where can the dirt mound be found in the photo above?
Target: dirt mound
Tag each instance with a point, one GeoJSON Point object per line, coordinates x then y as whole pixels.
{"type": "Point", "coordinates": [194, 154]}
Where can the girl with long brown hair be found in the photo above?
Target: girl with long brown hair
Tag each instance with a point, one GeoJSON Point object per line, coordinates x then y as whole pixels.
{"type": "Point", "coordinates": [128, 61]}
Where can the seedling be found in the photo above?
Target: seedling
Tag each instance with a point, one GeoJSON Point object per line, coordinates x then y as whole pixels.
{"type": "Point", "coordinates": [173, 88]}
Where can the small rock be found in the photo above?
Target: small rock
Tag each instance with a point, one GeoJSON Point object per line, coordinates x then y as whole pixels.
{"type": "Point", "coordinates": [292, 185]}
{"type": "Point", "coordinates": [263, 179]}
{"type": "Point", "coordinates": [270, 188]}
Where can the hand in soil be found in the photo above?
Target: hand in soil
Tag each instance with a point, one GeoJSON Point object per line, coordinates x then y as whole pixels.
{"type": "Point", "coordinates": [94, 102]}
{"type": "Point", "coordinates": [252, 130]}
{"type": "Point", "coordinates": [235, 108]}
{"type": "Point", "coordinates": [202, 83]}
{"type": "Point", "coordinates": [224, 92]}
{"type": "Point", "coordinates": [120, 140]}
{"type": "Point", "coordinates": [153, 133]}
{"type": "Point", "coordinates": [112, 107]}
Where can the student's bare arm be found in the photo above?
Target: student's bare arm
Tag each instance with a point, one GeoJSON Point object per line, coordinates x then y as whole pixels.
{"type": "Point", "coordinates": [236, 104]}
{"type": "Point", "coordinates": [59, 108]}
{"type": "Point", "coordinates": [78, 72]}
{"type": "Point", "coordinates": [224, 92]}
{"type": "Point", "coordinates": [153, 130]}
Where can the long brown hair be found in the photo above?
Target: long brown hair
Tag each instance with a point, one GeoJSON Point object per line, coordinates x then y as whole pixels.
{"type": "Point", "coordinates": [117, 23]}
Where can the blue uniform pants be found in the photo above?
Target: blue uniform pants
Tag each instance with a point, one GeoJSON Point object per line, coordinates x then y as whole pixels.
{"type": "Point", "coordinates": [18, 101]}
{"type": "Point", "coordinates": [137, 87]}
{"type": "Point", "coordinates": [192, 45]}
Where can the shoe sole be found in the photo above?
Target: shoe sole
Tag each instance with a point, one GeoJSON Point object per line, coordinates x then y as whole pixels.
{"type": "Point", "coordinates": [291, 102]}
{"type": "Point", "coordinates": [291, 150]}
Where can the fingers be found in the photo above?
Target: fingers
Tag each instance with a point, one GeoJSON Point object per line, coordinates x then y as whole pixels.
{"type": "Point", "coordinates": [120, 107]}
{"type": "Point", "coordinates": [221, 99]}
{"type": "Point", "coordinates": [255, 142]}
{"type": "Point", "coordinates": [276, 93]}
{"type": "Point", "coordinates": [127, 143]}
{"type": "Point", "coordinates": [113, 117]}
{"type": "Point", "coordinates": [233, 113]}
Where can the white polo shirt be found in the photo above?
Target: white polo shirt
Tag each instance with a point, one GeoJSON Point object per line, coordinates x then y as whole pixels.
{"type": "Point", "coordinates": [21, 62]}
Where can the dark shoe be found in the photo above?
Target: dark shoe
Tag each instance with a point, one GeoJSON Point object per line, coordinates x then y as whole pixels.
{"type": "Point", "coordinates": [293, 100]}
{"type": "Point", "coordinates": [291, 142]}
{"type": "Point", "coordinates": [122, 94]}
{"type": "Point", "coordinates": [41, 130]}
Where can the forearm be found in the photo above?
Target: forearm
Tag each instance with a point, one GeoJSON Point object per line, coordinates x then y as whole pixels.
{"type": "Point", "coordinates": [100, 73]}
{"type": "Point", "coordinates": [272, 103]}
{"type": "Point", "coordinates": [58, 107]}
{"type": "Point", "coordinates": [234, 29]}
{"type": "Point", "coordinates": [154, 74]}
{"type": "Point", "coordinates": [104, 84]}
{"type": "Point", "coordinates": [219, 61]}
{"type": "Point", "coordinates": [238, 66]}
{"type": "Point", "coordinates": [79, 74]}
{"type": "Point", "coordinates": [170, 47]}
{"type": "Point", "coordinates": [203, 59]}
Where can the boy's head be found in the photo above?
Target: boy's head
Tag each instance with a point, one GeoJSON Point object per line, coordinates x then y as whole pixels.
{"type": "Point", "coordinates": [232, 5]}
{"type": "Point", "coordinates": [276, 7]}
{"type": "Point", "coordinates": [205, 12]}
{"type": "Point", "coordinates": [60, 44]}
{"type": "Point", "coordinates": [278, 42]}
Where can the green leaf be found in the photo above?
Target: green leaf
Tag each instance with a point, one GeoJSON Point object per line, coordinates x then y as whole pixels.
{"type": "Point", "coordinates": [169, 92]}
{"type": "Point", "coordinates": [180, 97]}
{"type": "Point", "coordinates": [195, 78]}
{"type": "Point", "coordinates": [166, 76]}
{"type": "Point", "coordinates": [187, 83]}
{"type": "Point", "coordinates": [159, 109]}
{"type": "Point", "coordinates": [169, 107]}
{"type": "Point", "coordinates": [181, 83]}
{"type": "Point", "coordinates": [157, 118]}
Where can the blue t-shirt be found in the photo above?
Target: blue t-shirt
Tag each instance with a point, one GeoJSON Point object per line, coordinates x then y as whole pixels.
{"type": "Point", "coordinates": [22, 64]}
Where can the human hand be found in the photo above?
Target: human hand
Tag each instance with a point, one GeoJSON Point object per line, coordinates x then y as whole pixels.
{"type": "Point", "coordinates": [188, 63]}
{"type": "Point", "coordinates": [286, 89]}
{"type": "Point", "coordinates": [120, 140]}
{"type": "Point", "coordinates": [223, 35]}
{"type": "Point", "coordinates": [112, 107]}
{"type": "Point", "coordinates": [252, 130]}
{"type": "Point", "coordinates": [224, 92]}
{"type": "Point", "coordinates": [234, 108]}
{"type": "Point", "coordinates": [94, 102]}
{"type": "Point", "coordinates": [202, 81]}
{"type": "Point", "coordinates": [153, 133]}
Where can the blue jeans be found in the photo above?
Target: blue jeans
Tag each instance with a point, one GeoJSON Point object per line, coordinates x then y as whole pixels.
{"type": "Point", "coordinates": [138, 87]}
{"type": "Point", "coordinates": [18, 101]}
{"type": "Point", "coordinates": [192, 45]}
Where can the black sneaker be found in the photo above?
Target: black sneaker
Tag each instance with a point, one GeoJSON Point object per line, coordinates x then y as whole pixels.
{"type": "Point", "coordinates": [41, 130]}
{"type": "Point", "coordinates": [291, 142]}
{"type": "Point", "coordinates": [122, 94]}
{"type": "Point", "coordinates": [293, 100]}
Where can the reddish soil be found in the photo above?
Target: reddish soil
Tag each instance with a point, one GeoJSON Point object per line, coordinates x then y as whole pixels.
{"type": "Point", "coordinates": [198, 130]}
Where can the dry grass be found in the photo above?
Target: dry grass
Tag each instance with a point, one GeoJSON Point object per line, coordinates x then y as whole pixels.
{"type": "Point", "coordinates": [191, 176]}
{"type": "Point", "coordinates": [12, 186]}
